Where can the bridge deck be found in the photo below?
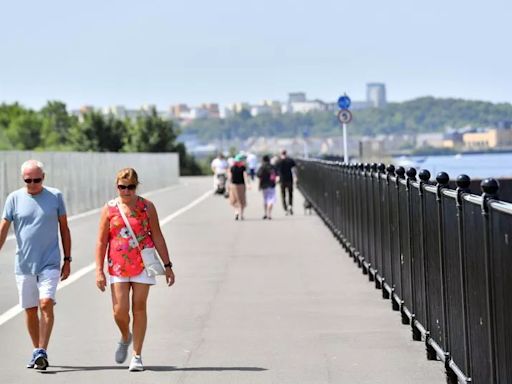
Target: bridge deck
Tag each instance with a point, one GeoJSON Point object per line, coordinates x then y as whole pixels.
{"type": "Point", "coordinates": [255, 302]}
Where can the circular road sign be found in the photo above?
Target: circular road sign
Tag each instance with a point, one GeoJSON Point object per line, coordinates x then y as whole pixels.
{"type": "Point", "coordinates": [344, 102]}
{"type": "Point", "coordinates": [344, 116]}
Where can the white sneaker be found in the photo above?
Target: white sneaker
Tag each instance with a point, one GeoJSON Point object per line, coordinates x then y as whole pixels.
{"type": "Point", "coordinates": [136, 364]}
{"type": "Point", "coordinates": [122, 350]}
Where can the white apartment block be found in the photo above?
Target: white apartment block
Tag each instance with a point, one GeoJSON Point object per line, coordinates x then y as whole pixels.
{"type": "Point", "coordinates": [117, 111]}
{"type": "Point", "coordinates": [307, 106]}
{"type": "Point", "coordinates": [261, 110]}
{"type": "Point", "coordinates": [239, 107]}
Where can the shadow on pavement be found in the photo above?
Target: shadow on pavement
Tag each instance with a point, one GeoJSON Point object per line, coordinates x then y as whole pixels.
{"type": "Point", "coordinates": [156, 368]}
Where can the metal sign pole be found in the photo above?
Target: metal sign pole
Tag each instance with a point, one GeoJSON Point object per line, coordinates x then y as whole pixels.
{"type": "Point", "coordinates": [345, 145]}
{"type": "Point", "coordinates": [344, 117]}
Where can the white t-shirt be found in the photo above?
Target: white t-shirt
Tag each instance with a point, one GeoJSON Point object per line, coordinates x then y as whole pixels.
{"type": "Point", "coordinates": [219, 165]}
{"type": "Point", "coordinates": [252, 161]}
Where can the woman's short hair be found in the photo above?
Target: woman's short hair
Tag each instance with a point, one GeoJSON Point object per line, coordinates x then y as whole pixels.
{"type": "Point", "coordinates": [266, 159]}
{"type": "Point", "coordinates": [128, 174]}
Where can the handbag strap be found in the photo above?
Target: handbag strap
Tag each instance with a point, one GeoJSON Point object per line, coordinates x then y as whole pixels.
{"type": "Point", "coordinates": [127, 223]}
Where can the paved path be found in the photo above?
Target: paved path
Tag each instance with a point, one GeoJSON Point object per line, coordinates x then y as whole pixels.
{"type": "Point", "coordinates": [254, 302]}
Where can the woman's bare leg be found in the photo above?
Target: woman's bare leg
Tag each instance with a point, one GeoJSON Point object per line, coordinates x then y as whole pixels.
{"type": "Point", "coordinates": [140, 318]}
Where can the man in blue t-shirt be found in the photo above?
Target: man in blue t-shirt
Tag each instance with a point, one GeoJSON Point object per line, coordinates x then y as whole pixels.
{"type": "Point", "coordinates": [37, 213]}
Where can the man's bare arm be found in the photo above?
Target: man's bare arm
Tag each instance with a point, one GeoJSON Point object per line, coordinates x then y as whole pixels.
{"type": "Point", "coordinates": [4, 230]}
{"type": "Point", "coordinates": [65, 235]}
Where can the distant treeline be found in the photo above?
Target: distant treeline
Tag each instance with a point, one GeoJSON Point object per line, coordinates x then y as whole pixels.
{"type": "Point", "coordinates": [54, 129]}
{"type": "Point", "coordinates": [426, 114]}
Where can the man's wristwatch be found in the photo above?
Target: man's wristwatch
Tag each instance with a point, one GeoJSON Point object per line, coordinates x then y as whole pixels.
{"type": "Point", "coordinates": [68, 258]}
{"type": "Point", "coordinates": [168, 265]}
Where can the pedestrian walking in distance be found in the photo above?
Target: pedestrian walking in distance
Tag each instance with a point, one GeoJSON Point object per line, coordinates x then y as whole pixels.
{"type": "Point", "coordinates": [267, 175]}
{"type": "Point", "coordinates": [285, 167]}
{"type": "Point", "coordinates": [128, 278]}
{"type": "Point", "coordinates": [237, 186]}
{"type": "Point", "coordinates": [39, 214]}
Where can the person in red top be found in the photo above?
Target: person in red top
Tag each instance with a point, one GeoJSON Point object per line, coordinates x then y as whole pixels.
{"type": "Point", "coordinates": [125, 267]}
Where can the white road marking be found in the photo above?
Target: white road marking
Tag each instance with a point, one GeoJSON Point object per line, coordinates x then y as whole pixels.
{"type": "Point", "coordinates": [16, 310]}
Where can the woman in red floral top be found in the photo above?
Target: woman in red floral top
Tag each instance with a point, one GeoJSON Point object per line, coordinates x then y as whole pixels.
{"type": "Point", "coordinates": [124, 257]}
{"type": "Point", "coordinates": [125, 267]}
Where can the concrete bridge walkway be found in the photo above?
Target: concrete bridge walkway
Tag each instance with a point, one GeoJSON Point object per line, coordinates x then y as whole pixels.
{"type": "Point", "coordinates": [254, 302]}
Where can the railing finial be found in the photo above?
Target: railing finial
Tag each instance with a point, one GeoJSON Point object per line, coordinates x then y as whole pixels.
{"type": "Point", "coordinates": [411, 173]}
{"type": "Point", "coordinates": [463, 182]}
{"type": "Point", "coordinates": [424, 175]}
{"type": "Point", "coordinates": [490, 186]}
{"type": "Point", "coordinates": [442, 179]}
{"type": "Point", "coordinates": [400, 171]}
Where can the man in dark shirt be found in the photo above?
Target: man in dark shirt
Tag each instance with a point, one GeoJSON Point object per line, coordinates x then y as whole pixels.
{"type": "Point", "coordinates": [284, 167]}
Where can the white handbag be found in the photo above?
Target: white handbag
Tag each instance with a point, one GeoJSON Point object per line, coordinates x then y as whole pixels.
{"type": "Point", "coordinates": [150, 259]}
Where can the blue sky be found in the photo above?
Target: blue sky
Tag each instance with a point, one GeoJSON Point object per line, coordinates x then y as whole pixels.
{"type": "Point", "coordinates": [113, 52]}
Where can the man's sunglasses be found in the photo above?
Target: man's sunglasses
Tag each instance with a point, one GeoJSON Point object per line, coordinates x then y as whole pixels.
{"type": "Point", "coordinates": [130, 187]}
{"type": "Point", "coordinates": [35, 181]}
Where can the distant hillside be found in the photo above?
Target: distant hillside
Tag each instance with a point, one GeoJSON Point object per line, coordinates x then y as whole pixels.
{"type": "Point", "coordinates": [426, 114]}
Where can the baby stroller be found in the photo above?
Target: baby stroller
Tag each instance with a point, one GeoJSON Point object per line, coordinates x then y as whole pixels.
{"type": "Point", "coordinates": [221, 184]}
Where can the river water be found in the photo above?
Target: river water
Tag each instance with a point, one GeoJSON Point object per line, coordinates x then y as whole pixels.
{"type": "Point", "coordinates": [476, 166]}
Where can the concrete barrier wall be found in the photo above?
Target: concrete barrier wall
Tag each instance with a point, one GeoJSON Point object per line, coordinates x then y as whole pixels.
{"type": "Point", "coordinates": [87, 179]}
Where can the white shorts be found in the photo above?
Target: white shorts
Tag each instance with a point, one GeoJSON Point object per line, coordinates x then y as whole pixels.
{"type": "Point", "coordinates": [142, 278]}
{"type": "Point", "coordinates": [32, 288]}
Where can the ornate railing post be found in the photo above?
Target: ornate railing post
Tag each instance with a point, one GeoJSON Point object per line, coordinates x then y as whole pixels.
{"type": "Point", "coordinates": [463, 182]}
{"type": "Point", "coordinates": [490, 191]}
{"type": "Point", "coordinates": [442, 179]}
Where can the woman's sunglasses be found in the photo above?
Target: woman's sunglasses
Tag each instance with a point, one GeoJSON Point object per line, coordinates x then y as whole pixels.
{"type": "Point", "coordinates": [130, 187]}
{"type": "Point", "coordinates": [35, 181]}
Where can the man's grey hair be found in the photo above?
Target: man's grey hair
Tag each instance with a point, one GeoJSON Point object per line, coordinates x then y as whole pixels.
{"type": "Point", "coordinates": [31, 164]}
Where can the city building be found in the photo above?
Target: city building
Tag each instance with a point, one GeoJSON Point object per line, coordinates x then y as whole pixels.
{"type": "Point", "coordinates": [84, 109]}
{"type": "Point", "coordinates": [147, 109]}
{"type": "Point", "coordinates": [274, 105]}
{"type": "Point", "coordinates": [452, 140]}
{"type": "Point", "coordinates": [117, 111]}
{"type": "Point", "coordinates": [196, 113]}
{"type": "Point", "coordinates": [307, 106]}
{"type": "Point", "coordinates": [488, 138]}
{"type": "Point", "coordinates": [261, 110]}
{"type": "Point", "coordinates": [212, 109]}
{"type": "Point", "coordinates": [296, 97]}
{"type": "Point", "coordinates": [432, 140]}
{"type": "Point", "coordinates": [179, 110]}
{"type": "Point", "coordinates": [376, 95]}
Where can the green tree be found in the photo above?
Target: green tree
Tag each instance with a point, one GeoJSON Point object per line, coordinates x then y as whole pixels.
{"type": "Point", "coordinates": [84, 135]}
{"type": "Point", "coordinates": [425, 114]}
{"type": "Point", "coordinates": [97, 133]}
{"type": "Point", "coordinates": [8, 112]}
{"type": "Point", "coordinates": [150, 133]}
{"type": "Point", "coordinates": [188, 164]}
{"type": "Point", "coordinates": [24, 131]}
{"type": "Point", "coordinates": [56, 125]}
{"type": "Point", "coordinates": [111, 138]}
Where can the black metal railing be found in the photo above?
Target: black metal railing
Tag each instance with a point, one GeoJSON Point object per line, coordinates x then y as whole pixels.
{"type": "Point", "coordinates": [443, 256]}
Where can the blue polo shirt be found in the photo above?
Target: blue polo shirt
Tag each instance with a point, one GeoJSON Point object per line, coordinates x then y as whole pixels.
{"type": "Point", "coordinates": [36, 226]}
